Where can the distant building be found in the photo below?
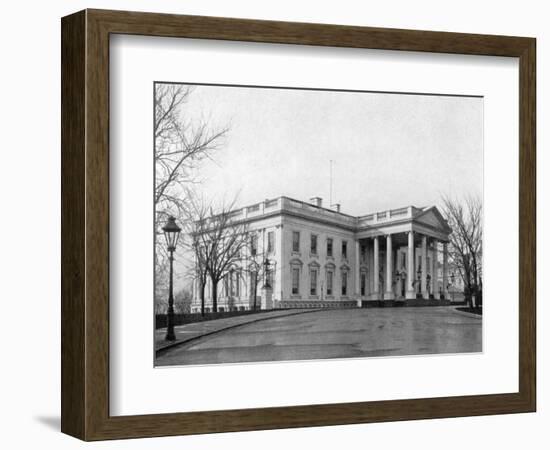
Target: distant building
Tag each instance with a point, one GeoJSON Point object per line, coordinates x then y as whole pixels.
{"type": "Point", "coordinates": [321, 257]}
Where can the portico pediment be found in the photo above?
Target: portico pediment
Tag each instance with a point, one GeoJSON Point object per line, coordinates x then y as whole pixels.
{"type": "Point", "coordinates": [432, 218]}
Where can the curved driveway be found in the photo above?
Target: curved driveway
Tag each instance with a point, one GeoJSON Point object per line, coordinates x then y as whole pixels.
{"type": "Point", "coordinates": [336, 334]}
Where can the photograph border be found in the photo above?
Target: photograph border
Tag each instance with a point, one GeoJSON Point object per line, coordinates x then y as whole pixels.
{"type": "Point", "coordinates": [176, 344]}
{"type": "Point", "coordinates": [85, 224]}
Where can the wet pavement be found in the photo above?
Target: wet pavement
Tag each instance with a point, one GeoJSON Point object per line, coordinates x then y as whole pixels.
{"type": "Point", "coordinates": [195, 330]}
{"type": "Point", "coordinates": [339, 333]}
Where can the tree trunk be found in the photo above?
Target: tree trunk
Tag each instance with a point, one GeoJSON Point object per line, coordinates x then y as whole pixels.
{"type": "Point", "coordinates": [255, 293]}
{"type": "Point", "coordinates": [203, 287]}
{"type": "Point", "coordinates": [214, 296]}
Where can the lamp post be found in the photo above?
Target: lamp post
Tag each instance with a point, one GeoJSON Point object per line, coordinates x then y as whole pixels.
{"type": "Point", "coordinates": [267, 289]}
{"type": "Point", "coordinates": [171, 233]}
{"type": "Point", "coordinates": [267, 263]}
{"type": "Point", "coordinates": [428, 284]}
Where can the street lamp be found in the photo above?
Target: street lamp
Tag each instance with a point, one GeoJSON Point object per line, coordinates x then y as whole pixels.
{"type": "Point", "coordinates": [428, 284]}
{"type": "Point", "coordinates": [171, 233]}
{"type": "Point", "coordinates": [267, 263]}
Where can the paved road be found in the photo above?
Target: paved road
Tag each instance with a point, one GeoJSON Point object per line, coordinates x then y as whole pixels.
{"type": "Point", "coordinates": [336, 334]}
{"type": "Point", "coordinates": [197, 329]}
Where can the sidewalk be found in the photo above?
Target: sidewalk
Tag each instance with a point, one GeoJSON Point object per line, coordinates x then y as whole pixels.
{"type": "Point", "coordinates": [192, 331]}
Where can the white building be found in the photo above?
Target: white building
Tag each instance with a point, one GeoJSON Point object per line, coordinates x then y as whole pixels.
{"type": "Point", "coordinates": [321, 257]}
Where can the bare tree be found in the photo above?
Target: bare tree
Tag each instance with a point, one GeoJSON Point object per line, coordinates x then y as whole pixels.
{"type": "Point", "coordinates": [466, 241]}
{"type": "Point", "coordinates": [182, 301]}
{"type": "Point", "coordinates": [197, 227]}
{"type": "Point", "coordinates": [228, 239]}
{"type": "Point", "coordinates": [256, 268]}
{"type": "Point", "coordinates": [181, 144]}
{"type": "Point", "coordinates": [218, 242]}
{"type": "Point", "coordinates": [201, 270]}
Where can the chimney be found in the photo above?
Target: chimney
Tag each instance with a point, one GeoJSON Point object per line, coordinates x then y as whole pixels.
{"type": "Point", "coordinates": [337, 207]}
{"type": "Point", "coordinates": [317, 201]}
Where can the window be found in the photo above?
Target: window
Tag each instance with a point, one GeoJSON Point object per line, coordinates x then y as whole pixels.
{"type": "Point", "coordinates": [232, 283]}
{"type": "Point", "coordinates": [329, 247]}
{"type": "Point", "coordinates": [269, 278]}
{"type": "Point", "coordinates": [344, 249]}
{"type": "Point", "coordinates": [295, 280]}
{"type": "Point", "coordinates": [313, 281]}
{"type": "Point", "coordinates": [296, 241]}
{"type": "Point", "coordinates": [344, 283]}
{"type": "Point", "coordinates": [237, 284]}
{"type": "Point", "coordinates": [329, 282]}
{"type": "Point", "coordinates": [254, 245]}
{"type": "Point", "coordinates": [363, 252]}
{"type": "Point", "coordinates": [270, 241]}
{"type": "Point", "coordinates": [314, 244]}
{"type": "Point", "coordinates": [363, 284]}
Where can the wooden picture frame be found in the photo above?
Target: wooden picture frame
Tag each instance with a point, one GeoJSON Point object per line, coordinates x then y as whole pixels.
{"type": "Point", "coordinates": [85, 224]}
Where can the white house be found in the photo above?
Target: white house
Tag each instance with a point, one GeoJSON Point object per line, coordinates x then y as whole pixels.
{"type": "Point", "coordinates": [322, 257]}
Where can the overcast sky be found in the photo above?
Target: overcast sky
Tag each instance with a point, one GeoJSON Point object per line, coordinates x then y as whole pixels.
{"type": "Point", "coordinates": [389, 150]}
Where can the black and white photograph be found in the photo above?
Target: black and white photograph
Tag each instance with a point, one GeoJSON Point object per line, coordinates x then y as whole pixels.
{"type": "Point", "coordinates": [271, 225]}
{"type": "Point", "coordinates": [299, 224]}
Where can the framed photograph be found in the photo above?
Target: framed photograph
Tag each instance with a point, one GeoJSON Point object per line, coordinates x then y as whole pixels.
{"type": "Point", "coordinates": [272, 225]}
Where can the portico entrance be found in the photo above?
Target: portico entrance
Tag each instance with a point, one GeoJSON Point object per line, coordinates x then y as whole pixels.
{"type": "Point", "coordinates": [405, 260]}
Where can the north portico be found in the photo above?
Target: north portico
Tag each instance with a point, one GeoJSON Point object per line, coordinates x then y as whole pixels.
{"type": "Point", "coordinates": [322, 257]}
{"type": "Point", "coordinates": [402, 255]}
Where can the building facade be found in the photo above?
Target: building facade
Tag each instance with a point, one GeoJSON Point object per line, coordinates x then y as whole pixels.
{"type": "Point", "coordinates": [305, 255]}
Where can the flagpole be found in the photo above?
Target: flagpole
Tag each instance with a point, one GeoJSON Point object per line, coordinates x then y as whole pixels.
{"type": "Point", "coordinates": [330, 194]}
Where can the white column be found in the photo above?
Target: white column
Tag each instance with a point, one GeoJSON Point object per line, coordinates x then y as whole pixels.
{"type": "Point", "coordinates": [366, 261]}
{"type": "Point", "coordinates": [424, 268]}
{"type": "Point", "coordinates": [376, 269]}
{"type": "Point", "coordinates": [433, 281]}
{"type": "Point", "coordinates": [357, 272]}
{"type": "Point", "coordinates": [445, 293]}
{"type": "Point", "coordinates": [389, 269]}
{"type": "Point", "coordinates": [410, 267]}
{"type": "Point", "coordinates": [278, 275]}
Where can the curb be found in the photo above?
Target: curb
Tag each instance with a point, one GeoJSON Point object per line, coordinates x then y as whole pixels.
{"type": "Point", "coordinates": [162, 350]}
{"type": "Point", "coordinates": [467, 314]}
